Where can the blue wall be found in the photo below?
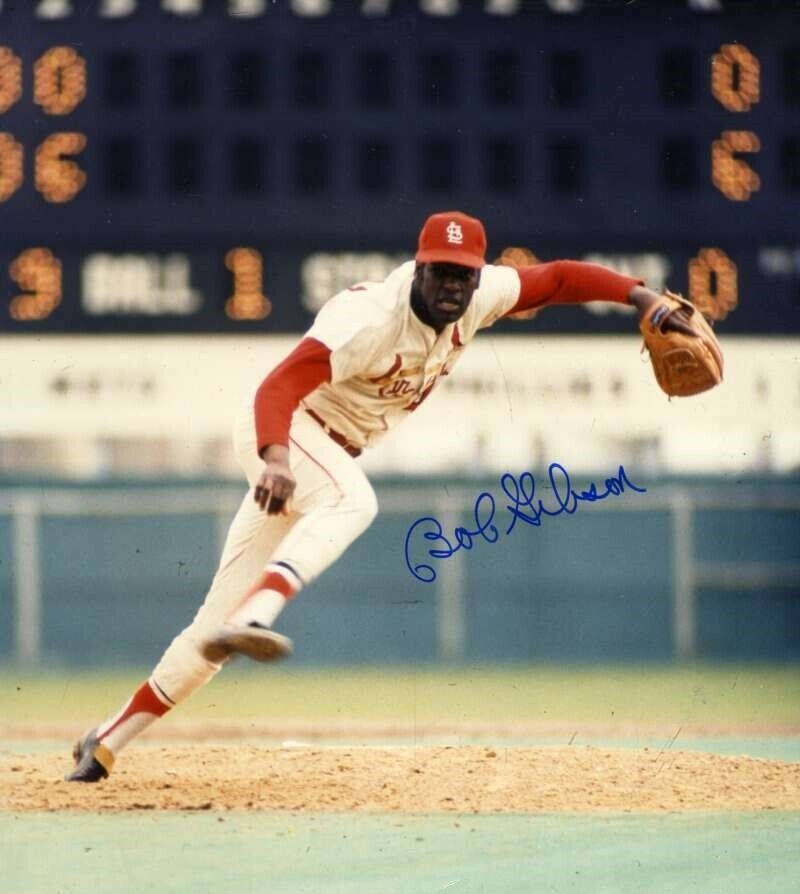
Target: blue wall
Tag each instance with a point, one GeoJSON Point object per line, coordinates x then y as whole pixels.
{"type": "Point", "coordinates": [596, 586]}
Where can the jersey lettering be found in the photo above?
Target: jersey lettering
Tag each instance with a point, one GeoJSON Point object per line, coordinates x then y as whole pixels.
{"type": "Point", "coordinates": [398, 388]}
{"type": "Point", "coordinates": [425, 392]}
{"type": "Point", "coordinates": [398, 362]}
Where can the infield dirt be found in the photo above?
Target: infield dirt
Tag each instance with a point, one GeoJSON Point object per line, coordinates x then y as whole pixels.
{"type": "Point", "coordinates": [424, 779]}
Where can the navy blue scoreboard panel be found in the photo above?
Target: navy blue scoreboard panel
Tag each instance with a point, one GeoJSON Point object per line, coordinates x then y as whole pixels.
{"type": "Point", "coordinates": [226, 165]}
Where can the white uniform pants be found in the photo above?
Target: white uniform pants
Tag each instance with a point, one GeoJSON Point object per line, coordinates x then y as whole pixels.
{"type": "Point", "coordinates": [332, 505]}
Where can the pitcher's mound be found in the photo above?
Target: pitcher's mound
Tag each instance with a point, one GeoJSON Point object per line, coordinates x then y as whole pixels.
{"type": "Point", "coordinates": [468, 779]}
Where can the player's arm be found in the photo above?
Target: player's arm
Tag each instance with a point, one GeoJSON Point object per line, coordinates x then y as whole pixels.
{"type": "Point", "coordinates": [570, 282]}
{"type": "Point", "coordinates": [278, 396]}
{"type": "Point", "coordinates": [576, 282]}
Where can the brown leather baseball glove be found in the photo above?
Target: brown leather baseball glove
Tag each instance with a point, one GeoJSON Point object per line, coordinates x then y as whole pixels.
{"type": "Point", "coordinates": [683, 364]}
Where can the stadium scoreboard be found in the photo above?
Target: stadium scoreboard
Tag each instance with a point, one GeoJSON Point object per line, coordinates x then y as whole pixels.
{"type": "Point", "coordinates": [226, 165]}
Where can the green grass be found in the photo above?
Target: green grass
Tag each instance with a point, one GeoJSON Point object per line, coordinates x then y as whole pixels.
{"type": "Point", "coordinates": [239, 853]}
{"type": "Point", "coordinates": [693, 694]}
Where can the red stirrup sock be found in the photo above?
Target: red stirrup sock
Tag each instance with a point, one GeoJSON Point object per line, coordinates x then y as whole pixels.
{"type": "Point", "coordinates": [267, 597]}
{"type": "Point", "coordinates": [144, 707]}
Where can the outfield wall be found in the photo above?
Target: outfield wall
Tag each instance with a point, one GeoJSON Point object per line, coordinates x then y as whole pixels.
{"type": "Point", "coordinates": [102, 575]}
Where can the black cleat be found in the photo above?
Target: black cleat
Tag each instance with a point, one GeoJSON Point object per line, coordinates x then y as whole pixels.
{"type": "Point", "coordinates": [253, 640]}
{"type": "Point", "coordinates": [93, 761]}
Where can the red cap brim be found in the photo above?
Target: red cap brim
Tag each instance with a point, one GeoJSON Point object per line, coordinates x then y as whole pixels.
{"type": "Point", "coordinates": [446, 256]}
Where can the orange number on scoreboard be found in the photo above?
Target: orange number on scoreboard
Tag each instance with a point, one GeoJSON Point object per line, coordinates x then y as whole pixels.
{"type": "Point", "coordinates": [732, 176]}
{"type": "Point", "coordinates": [247, 301]}
{"type": "Point", "coordinates": [38, 272]}
{"type": "Point", "coordinates": [10, 166]}
{"type": "Point", "coordinates": [59, 80]}
{"type": "Point", "coordinates": [735, 77]}
{"type": "Point", "coordinates": [10, 79]}
{"type": "Point", "coordinates": [59, 179]}
{"type": "Point", "coordinates": [713, 283]}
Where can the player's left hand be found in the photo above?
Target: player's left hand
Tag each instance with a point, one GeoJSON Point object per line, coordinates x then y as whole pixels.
{"type": "Point", "coordinates": [677, 321]}
{"type": "Point", "coordinates": [683, 363]}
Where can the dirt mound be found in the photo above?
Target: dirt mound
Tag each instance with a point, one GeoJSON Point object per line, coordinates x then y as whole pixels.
{"type": "Point", "coordinates": [459, 779]}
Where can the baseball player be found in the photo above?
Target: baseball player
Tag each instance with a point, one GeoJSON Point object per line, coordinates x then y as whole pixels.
{"type": "Point", "coordinates": [373, 354]}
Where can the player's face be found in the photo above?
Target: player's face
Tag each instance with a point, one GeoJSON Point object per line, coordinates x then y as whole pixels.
{"type": "Point", "coordinates": [445, 291]}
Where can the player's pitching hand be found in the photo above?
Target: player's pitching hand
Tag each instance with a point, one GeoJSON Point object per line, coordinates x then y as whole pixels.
{"type": "Point", "coordinates": [276, 484]}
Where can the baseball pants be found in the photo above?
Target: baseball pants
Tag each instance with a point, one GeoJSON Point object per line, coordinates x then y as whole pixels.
{"type": "Point", "coordinates": [332, 505]}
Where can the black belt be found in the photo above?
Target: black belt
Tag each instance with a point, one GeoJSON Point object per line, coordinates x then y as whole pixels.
{"type": "Point", "coordinates": [340, 439]}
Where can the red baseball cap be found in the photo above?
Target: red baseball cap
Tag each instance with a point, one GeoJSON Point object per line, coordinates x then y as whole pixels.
{"type": "Point", "coordinates": [452, 237]}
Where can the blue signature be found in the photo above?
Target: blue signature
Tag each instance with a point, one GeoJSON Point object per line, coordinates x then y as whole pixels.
{"type": "Point", "coordinates": [523, 507]}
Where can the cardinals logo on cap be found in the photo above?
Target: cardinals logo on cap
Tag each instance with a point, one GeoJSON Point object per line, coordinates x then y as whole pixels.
{"type": "Point", "coordinates": [455, 235]}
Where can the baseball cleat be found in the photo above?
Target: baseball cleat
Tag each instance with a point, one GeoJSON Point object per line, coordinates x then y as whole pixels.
{"type": "Point", "coordinates": [253, 640]}
{"type": "Point", "coordinates": [93, 761]}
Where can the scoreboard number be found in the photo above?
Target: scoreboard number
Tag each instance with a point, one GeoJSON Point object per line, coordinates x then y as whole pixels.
{"type": "Point", "coordinates": [11, 174]}
{"type": "Point", "coordinates": [248, 302]}
{"type": "Point", "coordinates": [59, 80]}
{"type": "Point", "coordinates": [38, 273]}
{"type": "Point", "coordinates": [59, 86]}
{"type": "Point", "coordinates": [733, 176]}
{"type": "Point", "coordinates": [713, 283]}
{"type": "Point", "coordinates": [57, 177]}
{"type": "Point", "coordinates": [736, 85]}
{"type": "Point", "coordinates": [10, 78]}
{"type": "Point", "coordinates": [735, 77]}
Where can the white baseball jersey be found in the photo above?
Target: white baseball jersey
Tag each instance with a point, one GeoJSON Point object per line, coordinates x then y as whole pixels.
{"type": "Point", "coordinates": [384, 360]}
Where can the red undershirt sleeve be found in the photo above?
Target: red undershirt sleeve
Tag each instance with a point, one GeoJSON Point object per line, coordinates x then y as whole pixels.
{"type": "Point", "coordinates": [570, 282]}
{"type": "Point", "coordinates": [305, 369]}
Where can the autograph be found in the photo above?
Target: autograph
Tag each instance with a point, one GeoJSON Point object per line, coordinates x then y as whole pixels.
{"type": "Point", "coordinates": [523, 507]}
